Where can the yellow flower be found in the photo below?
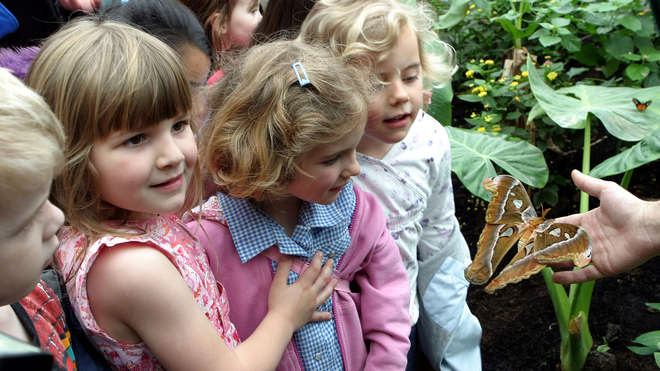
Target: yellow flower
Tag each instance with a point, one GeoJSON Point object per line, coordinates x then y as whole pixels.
{"type": "Point", "coordinates": [513, 84]}
{"type": "Point", "coordinates": [489, 61]}
{"type": "Point", "coordinates": [467, 12]}
{"type": "Point", "coordinates": [496, 128]}
{"type": "Point", "coordinates": [472, 60]}
{"type": "Point", "coordinates": [481, 129]}
{"type": "Point", "coordinates": [482, 94]}
{"type": "Point", "coordinates": [469, 74]}
{"type": "Point", "coordinates": [516, 98]}
{"type": "Point", "coordinates": [501, 80]}
{"type": "Point", "coordinates": [547, 57]}
{"type": "Point", "coordinates": [494, 12]}
{"type": "Point", "coordinates": [516, 77]}
{"type": "Point", "coordinates": [479, 10]}
{"type": "Point", "coordinates": [476, 90]}
{"type": "Point", "coordinates": [473, 115]}
{"type": "Point", "coordinates": [481, 60]}
{"type": "Point", "coordinates": [551, 75]}
{"type": "Point", "coordinates": [472, 6]}
{"type": "Point", "coordinates": [524, 74]}
{"type": "Point", "coordinates": [471, 85]}
{"type": "Point", "coordinates": [486, 105]}
{"type": "Point", "coordinates": [488, 118]}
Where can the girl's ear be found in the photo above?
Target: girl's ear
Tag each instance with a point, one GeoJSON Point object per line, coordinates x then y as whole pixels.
{"type": "Point", "coordinates": [219, 31]}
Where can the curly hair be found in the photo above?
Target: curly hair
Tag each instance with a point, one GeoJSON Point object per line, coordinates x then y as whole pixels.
{"type": "Point", "coordinates": [366, 31]}
{"type": "Point", "coordinates": [262, 120]}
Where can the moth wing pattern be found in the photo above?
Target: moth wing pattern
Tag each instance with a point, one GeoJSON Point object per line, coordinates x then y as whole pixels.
{"type": "Point", "coordinates": [510, 202]}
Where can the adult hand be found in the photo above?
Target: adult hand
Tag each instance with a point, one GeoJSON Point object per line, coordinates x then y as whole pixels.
{"type": "Point", "coordinates": [624, 230]}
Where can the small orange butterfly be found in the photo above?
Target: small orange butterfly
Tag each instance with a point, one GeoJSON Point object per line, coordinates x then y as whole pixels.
{"type": "Point", "coordinates": [641, 106]}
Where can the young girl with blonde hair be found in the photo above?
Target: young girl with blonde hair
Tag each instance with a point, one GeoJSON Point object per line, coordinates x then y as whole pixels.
{"type": "Point", "coordinates": [405, 162]}
{"type": "Point", "coordinates": [280, 146]}
{"type": "Point", "coordinates": [138, 281]}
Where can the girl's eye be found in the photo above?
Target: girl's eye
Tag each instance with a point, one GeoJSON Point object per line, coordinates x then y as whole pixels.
{"type": "Point", "coordinates": [179, 126]}
{"type": "Point", "coordinates": [135, 140]}
{"type": "Point", "coordinates": [410, 78]}
{"type": "Point", "coordinates": [330, 161]}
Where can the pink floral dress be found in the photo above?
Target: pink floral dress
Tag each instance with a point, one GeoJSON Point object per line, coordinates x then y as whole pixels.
{"type": "Point", "coordinates": [170, 237]}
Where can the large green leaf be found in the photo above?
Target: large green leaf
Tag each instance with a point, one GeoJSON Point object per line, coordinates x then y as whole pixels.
{"type": "Point", "coordinates": [473, 154]}
{"type": "Point", "coordinates": [613, 106]}
{"type": "Point", "coordinates": [440, 107]}
{"type": "Point", "coordinates": [454, 15]}
{"type": "Point", "coordinates": [647, 150]}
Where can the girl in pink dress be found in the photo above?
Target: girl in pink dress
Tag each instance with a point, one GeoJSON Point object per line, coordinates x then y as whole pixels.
{"type": "Point", "coordinates": [138, 281]}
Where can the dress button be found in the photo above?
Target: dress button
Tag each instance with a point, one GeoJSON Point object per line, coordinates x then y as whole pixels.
{"type": "Point", "coordinates": [318, 356]}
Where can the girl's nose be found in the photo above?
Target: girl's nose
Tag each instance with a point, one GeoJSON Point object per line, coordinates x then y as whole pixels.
{"type": "Point", "coordinates": [352, 167]}
{"type": "Point", "coordinates": [397, 92]}
{"type": "Point", "coordinates": [169, 153]}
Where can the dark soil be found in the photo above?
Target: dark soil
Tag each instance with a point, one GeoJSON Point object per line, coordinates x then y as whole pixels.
{"type": "Point", "coordinates": [519, 325]}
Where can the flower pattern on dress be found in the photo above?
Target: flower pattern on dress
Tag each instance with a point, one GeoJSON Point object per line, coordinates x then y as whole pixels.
{"type": "Point", "coordinates": [170, 237]}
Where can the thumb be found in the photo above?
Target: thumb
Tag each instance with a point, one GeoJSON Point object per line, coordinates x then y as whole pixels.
{"type": "Point", "coordinates": [592, 186]}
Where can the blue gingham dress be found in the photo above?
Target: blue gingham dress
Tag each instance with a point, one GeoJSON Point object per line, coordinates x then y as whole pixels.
{"type": "Point", "coordinates": [320, 228]}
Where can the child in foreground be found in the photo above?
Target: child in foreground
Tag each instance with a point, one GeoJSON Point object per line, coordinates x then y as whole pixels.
{"type": "Point", "coordinates": [405, 162]}
{"type": "Point", "coordinates": [280, 145]}
{"type": "Point", "coordinates": [31, 146]}
{"type": "Point", "coordinates": [138, 281]}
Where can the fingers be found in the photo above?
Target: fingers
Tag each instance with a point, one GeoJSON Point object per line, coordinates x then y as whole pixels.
{"type": "Point", "coordinates": [283, 268]}
{"type": "Point", "coordinates": [588, 273]}
{"type": "Point", "coordinates": [310, 275]}
{"type": "Point", "coordinates": [320, 316]}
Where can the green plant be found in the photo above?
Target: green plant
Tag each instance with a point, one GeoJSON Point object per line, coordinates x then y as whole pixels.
{"type": "Point", "coordinates": [574, 108]}
{"type": "Point", "coordinates": [650, 341]}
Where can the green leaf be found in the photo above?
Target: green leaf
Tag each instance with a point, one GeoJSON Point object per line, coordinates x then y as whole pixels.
{"type": "Point", "coordinates": [642, 351]}
{"type": "Point", "coordinates": [647, 150]}
{"type": "Point", "coordinates": [655, 306]}
{"type": "Point", "coordinates": [454, 15]}
{"type": "Point", "coordinates": [630, 22]}
{"type": "Point", "coordinates": [636, 72]}
{"type": "Point", "coordinates": [600, 7]}
{"type": "Point", "coordinates": [440, 107]}
{"type": "Point", "coordinates": [473, 154]}
{"type": "Point", "coordinates": [549, 40]}
{"type": "Point", "coordinates": [650, 340]}
{"type": "Point", "coordinates": [569, 107]}
{"type": "Point", "coordinates": [562, 22]}
{"type": "Point", "coordinates": [618, 45]}
{"type": "Point", "coordinates": [656, 355]}
{"type": "Point", "coordinates": [571, 43]}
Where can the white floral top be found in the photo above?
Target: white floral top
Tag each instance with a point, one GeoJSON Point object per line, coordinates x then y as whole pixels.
{"type": "Point", "coordinates": [170, 237]}
{"type": "Point", "coordinates": [413, 185]}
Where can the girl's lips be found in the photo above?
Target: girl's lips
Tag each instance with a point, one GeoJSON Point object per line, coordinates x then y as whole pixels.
{"type": "Point", "coordinates": [170, 185]}
{"type": "Point", "coordinates": [397, 121]}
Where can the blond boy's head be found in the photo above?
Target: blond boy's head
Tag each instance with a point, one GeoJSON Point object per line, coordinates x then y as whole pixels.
{"type": "Point", "coordinates": [31, 148]}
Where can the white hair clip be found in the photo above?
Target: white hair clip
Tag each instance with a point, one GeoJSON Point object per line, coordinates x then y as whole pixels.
{"type": "Point", "coordinates": [301, 74]}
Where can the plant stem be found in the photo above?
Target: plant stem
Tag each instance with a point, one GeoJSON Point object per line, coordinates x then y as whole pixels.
{"type": "Point", "coordinates": [586, 160]}
{"type": "Point", "coordinates": [625, 181]}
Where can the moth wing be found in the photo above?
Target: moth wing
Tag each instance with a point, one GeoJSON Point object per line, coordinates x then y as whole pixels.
{"type": "Point", "coordinates": [557, 242]}
{"type": "Point", "coordinates": [494, 242]}
{"type": "Point", "coordinates": [515, 272]}
{"type": "Point", "coordinates": [510, 202]}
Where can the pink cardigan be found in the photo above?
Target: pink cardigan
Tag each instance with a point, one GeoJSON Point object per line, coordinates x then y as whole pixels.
{"type": "Point", "coordinates": [372, 319]}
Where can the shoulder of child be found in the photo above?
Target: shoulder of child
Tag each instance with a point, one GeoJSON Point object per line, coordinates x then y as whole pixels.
{"type": "Point", "coordinates": [209, 210]}
{"type": "Point", "coordinates": [136, 271]}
